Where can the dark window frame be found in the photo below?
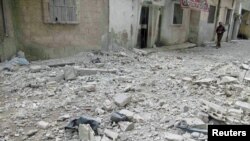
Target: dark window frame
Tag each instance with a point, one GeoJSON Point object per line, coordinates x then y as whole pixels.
{"type": "Point", "coordinates": [211, 14]}
{"type": "Point", "coordinates": [180, 13]}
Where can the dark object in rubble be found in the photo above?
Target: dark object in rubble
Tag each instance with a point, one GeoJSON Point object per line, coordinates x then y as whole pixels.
{"type": "Point", "coordinates": [117, 117]}
{"type": "Point", "coordinates": [74, 124]}
{"type": "Point", "coordinates": [95, 61]}
{"type": "Point", "coordinates": [184, 126]}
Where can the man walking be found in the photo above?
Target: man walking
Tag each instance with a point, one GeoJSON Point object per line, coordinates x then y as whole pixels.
{"type": "Point", "coordinates": [220, 31]}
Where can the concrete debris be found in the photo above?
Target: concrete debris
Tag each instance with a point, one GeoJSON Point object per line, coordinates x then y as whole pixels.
{"type": "Point", "coordinates": [70, 73]}
{"type": "Point", "coordinates": [206, 81]}
{"type": "Point", "coordinates": [113, 135]}
{"type": "Point", "coordinates": [20, 54]}
{"type": "Point", "coordinates": [43, 124]}
{"type": "Point", "coordinates": [104, 138]}
{"type": "Point", "coordinates": [99, 111]}
{"type": "Point", "coordinates": [61, 64]}
{"type": "Point", "coordinates": [173, 137]}
{"type": "Point", "coordinates": [228, 79]}
{"type": "Point", "coordinates": [90, 88]}
{"type": "Point", "coordinates": [204, 117]}
{"type": "Point", "coordinates": [188, 79]}
{"type": "Point", "coordinates": [138, 118]}
{"type": "Point", "coordinates": [108, 105]}
{"type": "Point", "coordinates": [31, 132]}
{"type": "Point", "coordinates": [243, 105]}
{"type": "Point", "coordinates": [245, 67]}
{"type": "Point", "coordinates": [127, 113]}
{"type": "Point", "coordinates": [86, 133]}
{"type": "Point", "coordinates": [64, 117]}
{"type": "Point", "coordinates": [122, 99]}
{"type": "Point", "coordinates": [126, 126]}
{"type": "Point", "coordinates": [92, 71]}
{"type": "Point", "coordinates": [195, 135]}
{"type": "Point", "coordinates": [117, 117]}
{"type": "Point", "coordinates": [35, 68]}
{"type": "Point", "coordinates": [140, 52]}
{"type": "Point", "coordinates": [214, 110]}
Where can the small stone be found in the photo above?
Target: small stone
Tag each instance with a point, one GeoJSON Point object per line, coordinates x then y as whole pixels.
{"type": "Point", "coordinates": [173, 137]}
{"type": "Point", "coordinates": [228, 80]}
{"type": "Point", "coordinates": [86, 133]}
{"type": "Point", "coordinates": [127, 113]}
{"type": "Point", "coordinates": [188, 79]}
{"type": "Point", "coordinates": [35, 68]}
{"type": "Point", "coordinates": [122, 99]}
{"type": "Point", "coordinates": [245, 67]}
{"type": "Point", "coordinates": [64, 117]}
{"type": "Point", "coordinates": [204, 117]}
{"type": "Point", "coordinates": [137, 118]}
{"type": "Point", "coordinates": [205, 81]}
{"type": "Point", "coordinates": [31, 132]}
{"type": "Point", "coordinates": [195, 135]}
{"type": "Point", "coordinates": [185, 109]}
{"type": "Point", "coordinates": [113, 135]}
{"type": "Point", "coordinates": [126, 126]}
{"type": "Point", "coordinates": [243, 105]}
{"type": "Point", "coordinates": [90, 88]}
{"type": "Point", "coordinates": [99, 111]}
{"type": "Point", "coordinates": [108, 105]}
{"type": "Point", "coordinates": [104, 138]}
{"type": "Point", "coordinates": [70, 73]}
{"type": "Point", "coordinates": [43, 124]}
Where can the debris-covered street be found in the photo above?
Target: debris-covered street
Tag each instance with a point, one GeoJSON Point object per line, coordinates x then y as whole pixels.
{"type": "Point", "coordinates": [169, 95]}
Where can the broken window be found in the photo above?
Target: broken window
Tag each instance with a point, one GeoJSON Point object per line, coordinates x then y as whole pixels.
{"type": "Point", "coordinates": [61, 11]}
{"type": "Point", "coordinates": [211, 15]}
{"type": "Point", "coordinates": [178, 14]}
{"type": "Point", "coordinates": [228, 16]}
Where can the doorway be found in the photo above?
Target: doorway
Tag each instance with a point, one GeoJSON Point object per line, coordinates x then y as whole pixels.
{"type": "Point", "coordinates": [194, 26]}
{"type": "Point", "coordinates": [143, 33]}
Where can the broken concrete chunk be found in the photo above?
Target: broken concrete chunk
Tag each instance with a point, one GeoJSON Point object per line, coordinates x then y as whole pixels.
{"type": "Point", "coordinates": [140, 52]}
{"type": "Point", "coordinates": [60, 64]}
{"type": "Point", "coordinates": [64, 117]}
{"type": "Point", "coordinates": [70, 73]}
{"type": "Point", "coordinates": [205, 81]}
{"type": "Point", "coordinates": [86, 133]}
{"type": "Point", "coordinates": [122, 99]}
{"type": "Point", "coordinates": [245, 67]}
{"type": "Point", "coordinates": [104, 138]}
{"type": "Point", "coordinates": [117, 117]}
{"type": "Point", "coordinates": [173, 137]}
{"type": "Point", "coordinates": [188, 79]}
{"type": "Point", "coordinates": [92, 71]}
{"type": "Point", "coordinates": [204, 117]}
{"type": "Point", "coordinates": [243, 105]}
{"type": "Point", "coordinates": [98, 138]}
{"type": "Point", "coordinates": [31, 132]}
{"type": "Point", "coordinates": [126, 126]}
{"type": "Point", "coordinates": [228, 80]}
{"type": "Point", "coordinates": [113, 135]}
{"type": "Point", "coordinates": [137, 118]}
{"type": "Point", "coordinates": [108, 105]}
{"type": "Point", "coordinates": [90, 88]}
{"type": "Point", "coordinates": [193, 122]}
{"type": "Point", "coordinates": [214, 110]}
{"type": "Point", "coordinates": [127, 113]}
{"type": "Point", "coordinates": [35, 68]}
{"type": "Point", "coordinates": [43, 124]}
{"type": "Point", "coordinates": [99, 111]}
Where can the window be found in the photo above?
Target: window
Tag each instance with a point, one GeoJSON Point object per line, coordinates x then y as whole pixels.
{"type": "Point", "coordinates": [61, 11]}
{"type": "Point", "coordinates": [228, 16]}
{"type": "Point", "coordinates": [178, 14]}
{"type": "Point", "coordinates": [211, 15]}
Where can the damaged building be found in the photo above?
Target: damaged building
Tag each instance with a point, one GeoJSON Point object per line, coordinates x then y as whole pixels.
{"type": "Point", "coordinates": [46, 29]}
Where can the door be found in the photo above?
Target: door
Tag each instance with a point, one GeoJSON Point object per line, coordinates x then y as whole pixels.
{"type": "Point", "coordinates": [143, 34]}
{"type": "Point", "coordinates": [194, 26]}
{"type": "Point", "coordinates": [2, 25]}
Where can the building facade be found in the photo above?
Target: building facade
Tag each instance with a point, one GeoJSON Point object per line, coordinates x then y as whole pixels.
{"type": "Point", "coordinates": [46, 29]}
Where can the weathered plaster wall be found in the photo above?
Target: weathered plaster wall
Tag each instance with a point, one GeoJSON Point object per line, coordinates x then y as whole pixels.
{"type": "Point", "coordinates": [123, 22]}
{"type": "Point", "coordinates": [227, 4]}
{"type": "Point", "coordinates": [8, 46]}
{"type": "Point", "coordinates": [173, 34]}
{"type": "Point", "coordinates": [207, 30]}
{"type": "Point", "coordinates": [42, 41]}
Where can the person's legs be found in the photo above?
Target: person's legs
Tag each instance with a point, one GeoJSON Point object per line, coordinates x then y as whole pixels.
{"type": "Point", "coordinates": [219, 36]}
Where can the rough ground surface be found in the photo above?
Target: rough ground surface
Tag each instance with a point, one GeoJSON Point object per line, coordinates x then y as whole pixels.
{"type": "Point", "coordinates": [165, 87]}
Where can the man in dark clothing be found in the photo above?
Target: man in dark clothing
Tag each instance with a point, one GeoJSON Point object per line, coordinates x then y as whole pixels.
{"type": "Point", "coordinates": [220, 31]}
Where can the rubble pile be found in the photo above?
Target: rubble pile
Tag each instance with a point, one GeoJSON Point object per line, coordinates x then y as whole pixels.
{"type": "Point", "coordinates": [129, 95]}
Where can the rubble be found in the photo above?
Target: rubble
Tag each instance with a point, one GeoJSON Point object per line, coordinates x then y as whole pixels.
{"type": "Point", "coordinates": [43, 124]}
{"type": "Point", "coordinates": [31, 132]}
{"type": "Point", "coordinates": [90, 88]}
{"type": "Point", "coordinates": [92, 71]}
{"type": "Point", "coordinates": [173, 137]}
{"type": "Point", "coordinates": [126, 126]}
{"type": "Point", "coordinates": [228, 79]}
{"type": "Point", "coordinates": [113, 135]}
{"type": "Point", "coordinates": [127, 113]}
{"type": "Point", "coordinates": [70, 73]}
{"type": "Point", "coordinates": [86, 133]}
{"type": "Point", "coordinates": [206, 81]}
{"type": "Point", "coordinates": [122, 99]}
{"type": "Point", "coordinates": [35, 68]}
{"type": "Point", "coordinates": [243, 105]}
